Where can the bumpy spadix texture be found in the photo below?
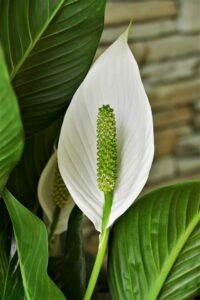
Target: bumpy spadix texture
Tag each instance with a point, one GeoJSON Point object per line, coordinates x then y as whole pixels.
{"type": "Point", "coordinates": [106, 149]}
{"type": "Point", "coordinates": [52, 192]}
{"type": "Point", "coordinates": [60, 194]}
{"type": "Point", "coordinates": [113, 80]}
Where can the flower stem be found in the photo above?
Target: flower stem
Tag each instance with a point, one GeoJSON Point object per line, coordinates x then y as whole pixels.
{"type": "Point", "coordinates": [103, 242]}
{"type": "Point", "coordinates": [56, 215]}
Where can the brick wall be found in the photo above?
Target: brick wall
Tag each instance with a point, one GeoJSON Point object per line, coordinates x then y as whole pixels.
{"type": "Point", "coordinates": [165, 40]}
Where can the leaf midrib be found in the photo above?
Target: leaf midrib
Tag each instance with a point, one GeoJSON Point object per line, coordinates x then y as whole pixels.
{"type": "Point", "coordinates": [32, 45]}
{"type": "Point", "coordinates": [159, 283]}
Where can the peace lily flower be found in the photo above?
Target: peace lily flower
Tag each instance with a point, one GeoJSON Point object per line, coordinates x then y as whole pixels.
{"type": "Point", "coordinates": [54, 196]}
{"type": "Point", "coordinates": [113, 82]}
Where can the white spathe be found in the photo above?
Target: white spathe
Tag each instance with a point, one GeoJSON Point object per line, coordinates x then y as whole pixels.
{"type": "Point", "coordinates": [45, 192]}
{"type": "Point", "coordinates": [114, 79]}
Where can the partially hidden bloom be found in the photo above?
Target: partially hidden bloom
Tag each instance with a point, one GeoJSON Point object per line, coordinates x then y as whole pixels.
{"type": "Point", "coordinates": [114, 81]}
{"type": "Point", "coordinates": [53, 193]}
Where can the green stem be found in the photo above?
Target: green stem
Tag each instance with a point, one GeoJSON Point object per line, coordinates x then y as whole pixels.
{"type": "Point", "coordinates": [103, 242]}
{"type": "Point", "coordinates": [56, 215]}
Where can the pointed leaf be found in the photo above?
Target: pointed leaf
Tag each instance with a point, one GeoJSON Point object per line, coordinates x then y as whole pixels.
{"type": "Point", "coordinates": [115, 80]}
{"type": "Point", "coordinates": [31, 241]}
{"type": "Point", "coordinates": [49, 46]}
{"type": "Point", "coordinates": [11, 131]}
{"type": "Point", "coordinates": [155, 247]}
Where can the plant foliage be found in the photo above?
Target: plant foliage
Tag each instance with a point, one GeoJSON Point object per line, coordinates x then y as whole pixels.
{"type": "Point", "coordinates": [155, 246]}
{"type": "Point", "coordinates": [32, 248]}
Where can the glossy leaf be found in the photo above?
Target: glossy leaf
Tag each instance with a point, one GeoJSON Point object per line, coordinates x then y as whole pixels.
{"type": "Point", "coordinates": [13, 287]}
{"type": "Point", "coordinates": [10, 277]}
{"type": "Point", "coordinates": [31, 241]}
{"type": "Point", "coordinates": [155, 246]}
{"type": "Point", "coordinates": [11, 131]}
{"type": "Point", "coordinates": [68, 269]}
{"type": "Point", "coordinates": [49, 46]}
{"type": "Point", "coordinates": [23, 181]}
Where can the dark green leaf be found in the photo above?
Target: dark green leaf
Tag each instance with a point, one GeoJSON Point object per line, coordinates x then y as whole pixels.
{"type": "Point", "coordinates": [10, 277]}
{"type": "Point", "coordinates": [24, 178]}
{"type": "Point", "coordinates": [31, 241]}
{"type": "Point", "coordinates": [11, 131]}
{"type": "Point", "coordinates": [68, 269]}
{"type": "Point", "coordinates": [49, 46]}
{"type": "Point", "coordinates": [155, 246]}
{"type": "Point", "coordinates": [13, 287]}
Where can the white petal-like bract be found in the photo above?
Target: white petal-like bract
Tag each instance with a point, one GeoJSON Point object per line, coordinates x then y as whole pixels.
{"type": "Point", "coordinates": [114, 79]}
{"type": "Point", "coordinates": [45, 193]}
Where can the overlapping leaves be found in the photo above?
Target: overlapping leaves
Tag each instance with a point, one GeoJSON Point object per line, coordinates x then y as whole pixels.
{"type": "Point", "coordinates": [10, 277]}
{"type": "Point", "coordinates": [155, 246]}
{"type": "Point", "coordinates": [31, 240]}
{"type": "Point", "coordinates": [49, 46]}
{"type": "Point", "coordinates": [11, 131]}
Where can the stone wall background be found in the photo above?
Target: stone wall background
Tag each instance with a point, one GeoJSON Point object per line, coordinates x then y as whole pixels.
{"type": "Point", "coordinates": [165, 40]}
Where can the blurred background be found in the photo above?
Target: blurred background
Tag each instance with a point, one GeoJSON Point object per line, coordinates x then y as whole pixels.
{"type": "Point", "coordinates": [165, 39]}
